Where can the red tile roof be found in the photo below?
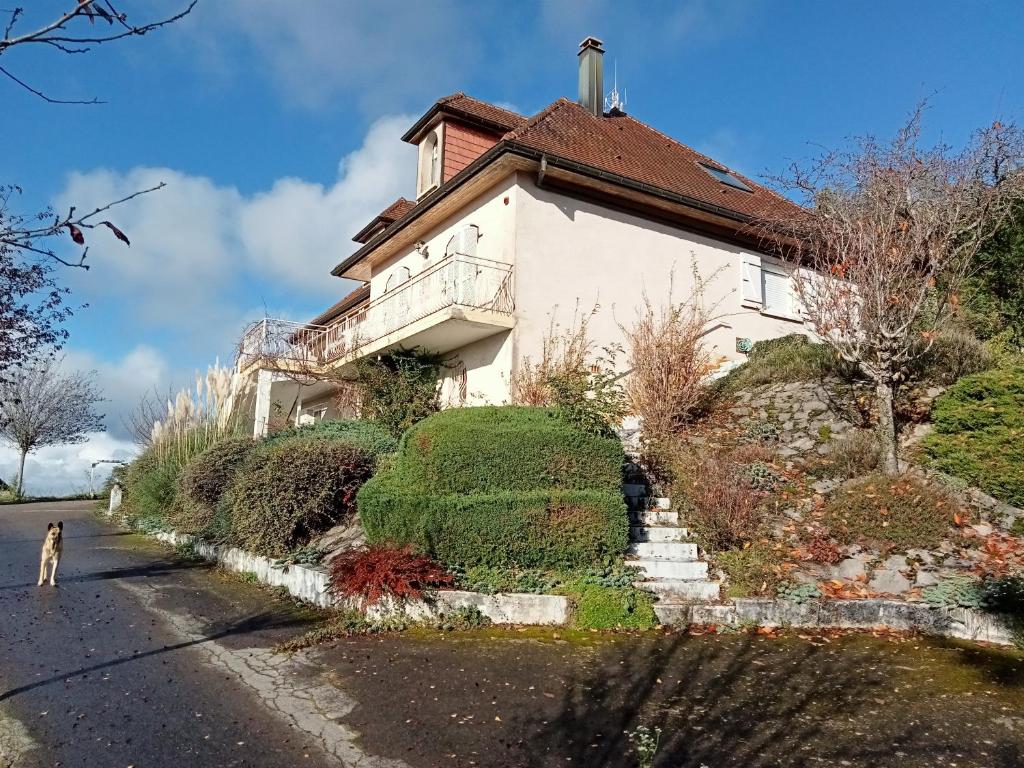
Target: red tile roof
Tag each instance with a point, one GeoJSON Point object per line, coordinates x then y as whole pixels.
{"type": "Point", "coordinates": [616, 147]}
{"type": "Point", "coordinates": [474, 110]}
{"type": "Point", "coordinates": [354, 299]}
{"type": "Point", "coordinates": [393, 212]}
{"type": "Point", "coordinates": [622, 145]}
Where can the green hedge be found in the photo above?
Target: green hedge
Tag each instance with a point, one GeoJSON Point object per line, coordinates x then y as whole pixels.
{"type": "Point", "coordinates": [507, 448]}
{"type": "Point", "coordinates": [368, 437]}
{"type": "Point", "coordinates": [501, 486]}
{"type": "Point", "coordinates": [289, 491]}
{"type": "Point", "coordinates": [978, 433]}
{"type": "Point", "coordinates": [554, 529]}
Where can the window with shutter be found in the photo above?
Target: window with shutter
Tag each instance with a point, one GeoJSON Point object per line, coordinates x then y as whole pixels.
{"type": "Point", "coordinates": [778, 293]}
{"type": "Point", "coordinates": [750, 271]}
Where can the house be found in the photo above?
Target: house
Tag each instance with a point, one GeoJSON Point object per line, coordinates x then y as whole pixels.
{"type": "Point", "coordinates": [519, 219]}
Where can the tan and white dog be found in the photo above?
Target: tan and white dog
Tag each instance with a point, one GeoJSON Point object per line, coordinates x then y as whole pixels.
{"type": "Point", "coordinates": [53, 548]}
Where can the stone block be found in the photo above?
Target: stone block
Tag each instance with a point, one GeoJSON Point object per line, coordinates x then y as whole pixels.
{"type": "Point", "coordinates": [889, 582]}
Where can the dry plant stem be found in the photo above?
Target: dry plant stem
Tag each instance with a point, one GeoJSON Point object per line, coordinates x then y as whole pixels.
{"type": "Point", "coordinates": [669, 362]}
{"type": "Point", "coordinates": [888, 237]}
{"type": "Point", "coordinates": [564, 351]}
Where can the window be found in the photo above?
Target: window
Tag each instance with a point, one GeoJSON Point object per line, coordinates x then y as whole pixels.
{"type": "Point", "coordinates": [778, 292]}
{"type": "Point", "coordinates": [725, 177]}
{"type": "Point", "coordinates": [768, 287]}
{"type": "Point", "coordinates": [430, 162]}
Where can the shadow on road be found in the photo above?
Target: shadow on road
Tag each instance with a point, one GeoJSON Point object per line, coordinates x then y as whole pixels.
{"type": "Point", "coordinates": [141, 571]}
{"type": "Point", "coordinates": [261, 621]}
{"type": "Point", "coordinates": [741, 702]}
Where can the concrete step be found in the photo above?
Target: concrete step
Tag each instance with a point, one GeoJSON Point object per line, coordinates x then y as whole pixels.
{"type": "Point", "coordinates": [654, 517]}
{"type": "Point", "coordinates": [669, 590]}
{"type": "Point", "coordinates": [657, 533]}
{"type": "Point", "coordinates": [634, 490]}
{"type": "Point", "coordinates": [659, 568]}
{"type": "Point", "coordinates": [648, 502]}
{"type": "Point", "coordinates": [667, 550]}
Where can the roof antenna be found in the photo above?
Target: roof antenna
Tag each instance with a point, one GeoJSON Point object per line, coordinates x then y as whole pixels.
{"type": "Point", "coordinates": [612, 101]}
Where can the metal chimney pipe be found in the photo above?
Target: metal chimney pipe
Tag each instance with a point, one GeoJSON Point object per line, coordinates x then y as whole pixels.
{"type": "Point", "coordinates": [591, 91]}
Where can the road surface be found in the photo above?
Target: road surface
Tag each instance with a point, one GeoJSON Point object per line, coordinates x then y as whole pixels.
{"type": "Point", "coordinates": [138, 658]}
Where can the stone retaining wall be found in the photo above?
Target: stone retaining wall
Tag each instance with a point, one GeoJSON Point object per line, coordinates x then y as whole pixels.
{"type": "Point", "coordinates": [309, 583]}
{"type": "Point", "coordinates": [960, 623]}
{"type": "Point", "coordinates": [800, 416]}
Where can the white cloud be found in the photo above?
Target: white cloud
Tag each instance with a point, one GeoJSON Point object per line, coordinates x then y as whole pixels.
{"type": "Point", "coordinates": [143, 370]}
{"type": "Point", "coordinates": [201, 250]}
{"type": "Point", "coordinates": [319, 51]}
{"type": "Point", "coordinates": [64, 469]}
{"type": "Point", "coordinates": [297, 231]}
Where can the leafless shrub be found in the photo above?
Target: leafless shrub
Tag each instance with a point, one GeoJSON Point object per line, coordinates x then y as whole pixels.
{"type": "Point", "coordinates": [565, 352]}
{"type": "Point", "coordinates": [669, 362]}
{"type": "Point", "coordinates": [722, 506]}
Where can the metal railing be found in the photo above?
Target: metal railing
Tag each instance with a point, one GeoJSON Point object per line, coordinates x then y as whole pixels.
{"type": "Point", "coordinates": [457, 280]}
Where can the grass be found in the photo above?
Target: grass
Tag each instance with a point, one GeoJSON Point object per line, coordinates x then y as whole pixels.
{"type": "Point", "coordinates": [890, 513]}
{"type": "Point", "coordinates": [787, 359]}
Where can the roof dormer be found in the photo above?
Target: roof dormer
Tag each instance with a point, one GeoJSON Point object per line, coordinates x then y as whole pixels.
{"type": "Point", "coordinates": [453, 133]}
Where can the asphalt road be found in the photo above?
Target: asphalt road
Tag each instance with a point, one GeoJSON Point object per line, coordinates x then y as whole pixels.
{"type": "Point", "coordinates": [139, 658]}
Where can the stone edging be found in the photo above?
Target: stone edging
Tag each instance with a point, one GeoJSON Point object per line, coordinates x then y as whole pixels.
{"type": "Point", "coordinates": [960, 623]}
{"type": "Point", "coordinates": [309, 584]}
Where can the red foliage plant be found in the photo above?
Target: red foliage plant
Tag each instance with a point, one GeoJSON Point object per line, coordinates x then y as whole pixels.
{"type": "Point", "coordinates": [378, 571]}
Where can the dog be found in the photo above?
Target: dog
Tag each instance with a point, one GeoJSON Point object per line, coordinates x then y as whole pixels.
{"type": "Point", "coordinates": [53, 548]}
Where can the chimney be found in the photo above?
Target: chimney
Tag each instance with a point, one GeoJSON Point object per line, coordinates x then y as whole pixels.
{"type": "Point", "coordinates": [591, 92]}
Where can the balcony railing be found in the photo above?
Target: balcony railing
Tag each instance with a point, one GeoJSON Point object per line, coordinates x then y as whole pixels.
{"type": "Point", "coordinates": [457, 280]}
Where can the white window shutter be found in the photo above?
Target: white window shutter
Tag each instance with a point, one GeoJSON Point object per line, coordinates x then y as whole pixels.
{"type": "Point", "coordinates": [750, 269]}
{"type": "Point", "coordinates": [778, 295]}
{"type": "Point", "coordinates": [464, 241]}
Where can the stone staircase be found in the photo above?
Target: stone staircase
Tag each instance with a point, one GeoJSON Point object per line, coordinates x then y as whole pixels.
{"type": "Point", "coordinates": [659, 548]}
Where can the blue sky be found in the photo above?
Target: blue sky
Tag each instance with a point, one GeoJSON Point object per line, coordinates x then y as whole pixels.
{"type": "Point", "coordinates": [276, 127]}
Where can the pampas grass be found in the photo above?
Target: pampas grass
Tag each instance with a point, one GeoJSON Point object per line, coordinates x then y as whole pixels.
{"type": "Point", "coordinates": [194, 421]}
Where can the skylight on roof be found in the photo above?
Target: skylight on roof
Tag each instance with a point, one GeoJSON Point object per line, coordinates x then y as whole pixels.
{"type": "Point", "coordinates": [725, 177]}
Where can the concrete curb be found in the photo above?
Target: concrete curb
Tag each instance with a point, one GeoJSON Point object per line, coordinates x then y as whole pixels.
{"type": "Point", "coordinates": [960, 623]}
{"type": "Point", "coordinates": [309, 584]}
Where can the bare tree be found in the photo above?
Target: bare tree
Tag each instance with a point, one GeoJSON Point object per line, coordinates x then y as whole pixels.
{"type": "Point", "coordinates": [32, 303]}
{"type": "Point", "coordinates": [888, 235]}
{"type": "Point", "coordinates": [74, 32]}
{"type": "Point", "coordinates": [40, 405]}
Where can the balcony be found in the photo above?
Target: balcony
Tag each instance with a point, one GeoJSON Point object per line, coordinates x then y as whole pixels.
{"type": "Point", "coordinates": [459, 300]}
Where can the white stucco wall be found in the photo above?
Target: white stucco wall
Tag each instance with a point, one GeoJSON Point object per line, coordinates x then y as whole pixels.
{"type": "Point", "coordinates": [486, 366]}
{"type": "Point", "coordinates": [495, 220]}
{"type": "Point", "coordinates": [569, 251]}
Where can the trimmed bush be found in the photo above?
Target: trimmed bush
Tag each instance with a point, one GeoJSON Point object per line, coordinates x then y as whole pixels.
{"type": "Point", "coordinates": [209, 474]}
{"type": "Point", "coordinates": [371, 438]}
{"type": "Point", "coordinates": [507, 448]}
{"type": "Point", "coordinates": [555, 529]}
{"type": "Point", "coordinates": [902, 513]}
{"type": "Point", "coordinates": [289, 491]}
{"type": "Point", "coordinates": [978, 433]}
{"type": "Point", "coordinates": [508, 486]}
